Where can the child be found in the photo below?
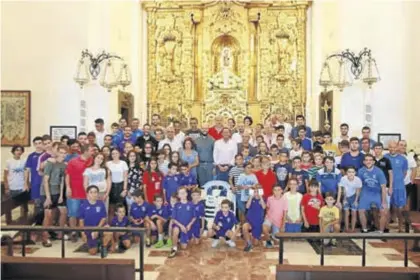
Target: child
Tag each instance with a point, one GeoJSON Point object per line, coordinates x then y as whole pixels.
{"type": "Point", "coordinates": [300, 175]}
{"type": "Point", "coordinates": [282, 170]}
{"type": "Point", "coordinates": [171, 182]}
{"type": "Point", "coordinates": [274, 152]}
{"type": "Point", "coordinates": [14, 173]}
{"type": "Point", "coordinates": [330, 149]}
{"type": "Point", "coordinates": [163, 164]}
{"type": "Point", "coordinates": [276, 215]}
{"type": "Point", "coordinates": [116, 136]}
{"type": "Point", "coordinates": [329, 218]}
{"type": "Point", "coordinates": [224, 225]}
{"type": "Point", "coordinates": [344, 147]}
{"type": "Point", "coordinates": [349, 188]}
{"type": "Point", "coordinates": [120, 239]}
{"type": "Point", "coordinates": [170, 207]}
{"type": "Point", "coordinates": [246, 181]}
{"type": "Point", "coordinates": [296, 150]}
{"type": "Point", "coordinates": [187, 179]}
{"type": "Point", "coordinates": [310, 206]}
{"type": "Point", "coordinates": [93, 214]}
{"type": "Point", "coordinates": [319, 164]}
{"type": "Point", "coordinates": [183, 218]}
{"type": "Point", "coordinates": [254, 218]}
{"type": "Point", "coordinates": [246, 156]}
{"type": "Point", "coordinates": [198, 226]}
{"type": "Point", "coordinates": [306, 143]}
{"type": "Point", "coordinates": [138, 215]}
{"type": "Point", "coordinates": [256, 163]}
{"type": "Point", "coordinates": [329, 177]}
{"type": "Point", "coordinates": [294, 198]}
{"type": "Point", "coordinates": [152, 180]}
{"type": "Point", "coordinates": [319, 140]}
{"type": "Point", "coordinates": [234, 174]}
{"type": "Point", "coordinates": [307, 161]}
{"type": "Point", "coordinates": [266, 177]}
{"type": "Point", "coordinates": [158, 219]}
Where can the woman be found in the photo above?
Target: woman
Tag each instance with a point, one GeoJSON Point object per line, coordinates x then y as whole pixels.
{"type": "Point", "coordinates": [168, 151]}
{"type": "Point", "coordinates": [175, 158]}
{"type": "Point", "coordinates": [248, 122]}
{"type": "Point", "coordinates": [147, 153]}
{"type": "Point", "coordinates": [190, 155]}
{"type": "Point", "coordinates": [134, 177]}
{"type": "Point", "coordinates": [119, 180]}
{"type": "Point", "coordinates": [106, 151]}
{"type": "Point", "coordinates": [152, 181]}
{"type": "Point", "coordinates": [97, 174]}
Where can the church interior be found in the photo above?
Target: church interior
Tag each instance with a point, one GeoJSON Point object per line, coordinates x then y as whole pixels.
{"type": "Point", "coordinates": [335, 62]}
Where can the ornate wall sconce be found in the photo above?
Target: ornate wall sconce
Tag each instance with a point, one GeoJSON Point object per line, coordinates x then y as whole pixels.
{"type": "Point", "coordinates": [89, 66]}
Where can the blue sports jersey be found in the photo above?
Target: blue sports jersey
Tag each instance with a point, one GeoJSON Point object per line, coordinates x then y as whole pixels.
{"type": "Point", "coordinates": [348, 160]}
{"type": "Point", "coordinates": [282, 173]}
{"type": "Point", "coordinates": [306, 144]}
{"type": "Point", "coordinates": [92, 214]}
{"type": "Point", "coordinates": [170, 184]}
{"type": "Point", "coordinates": [162, 211]}
{"type": "Point", "coordinates": [371, 179]}
{"type": "Point", "coordinates": [301, 177]}
{"type": "Point", "coordinates": [399, 168]}
{"type": "Point", "coordinates": [36, 179]}
{"type": "Point", "coordinates": [225, 222]}
{"type": "Point", "coordinates": [255, 213]}
{"type": "Point", "coordinates": [188, 180]}
{"type": "Point", "coordinates": [169, 209]}
{"type": "Point", "coordinates": [139, 211]}
{"type": "Point", "coordinates": [329, 180]}
{"type": "Point", "coordinates": [117, 223]}
{"type": "Point", "coordinates": [184, 212]}
{"type": "Point", "coordinates": [136, 134]}
{"type": "Point", "coordinates": [199, 210]}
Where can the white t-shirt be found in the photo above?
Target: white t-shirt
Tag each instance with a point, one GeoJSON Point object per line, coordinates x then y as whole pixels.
{"type": "Point", "coordinates": [96, 177]}
{"type": "Point", "coordinates": [293, 154]}
{"type": "Point", "coordinates": [237, 137]}
{"type": "Point", "coordinates": [350, 187]}
{"type": "Point", "coordinates": [16, 173]}
{"type": "Point", "coordinates": [411, 164]}
{"type": "Point", "coordinates": [117, 170]}
{"type": "Point", "coordinates": [293, 205]}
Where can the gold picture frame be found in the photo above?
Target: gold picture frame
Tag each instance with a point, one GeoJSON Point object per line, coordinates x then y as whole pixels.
{"type": "Point", "coordinates": [15, 118]}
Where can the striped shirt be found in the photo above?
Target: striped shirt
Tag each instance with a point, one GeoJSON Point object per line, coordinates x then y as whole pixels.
{"type": "Point", "coordinates": [234, 174]}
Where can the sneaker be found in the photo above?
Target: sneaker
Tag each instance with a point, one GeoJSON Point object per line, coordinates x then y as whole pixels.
{"type": "Point", "coordinates": [248, 248]}
{"type": "Point", "coordinates": [159, 244]}
{"type": "Point", "coordinates": [333, 242]}
{"type": "Point", "coordinates": [66, 237]}
{"type": "Point", "coordinates": [215, 242]}
{"type": "Point", "coordinates": [364, 231]}
{"type": "Point", "coordinates": [172, 254]}
{"type": "Point", "coordinates": [104, 251]}
{"type": "Point", "coordinates": [47, 243]}
{"type": "Point", "coordinates": [231, 243]}
{"type": "Point", "coordinates": [168, 243]}
{"type": "Point", "coordinates": [148, 242]}
{"type": "Point", "coordinates": [268, 244]}
{"type": "Point", "coordinates": [74, 237]}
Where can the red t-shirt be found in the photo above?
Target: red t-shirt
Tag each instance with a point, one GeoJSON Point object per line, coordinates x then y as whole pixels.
{"type": "Point", "coordinates": [215, 134]}
{"type": "Point", "coordinates": [267, 181]}
{"type": "Point", "coordinates": [153, 185]}
{"type": "Point", "coordinates": [75, 169]}
{"type": "Point", "coordinates": [312, 205]}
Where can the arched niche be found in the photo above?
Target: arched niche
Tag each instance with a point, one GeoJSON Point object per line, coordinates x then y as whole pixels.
{"type": "Point", "coordinates": [221, 42]}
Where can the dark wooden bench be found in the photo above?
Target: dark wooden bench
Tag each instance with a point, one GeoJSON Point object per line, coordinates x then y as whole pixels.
{"type": "Point", "coordinates": [303, 272]}
{"type": "Point", "coordinates": [66, 269]}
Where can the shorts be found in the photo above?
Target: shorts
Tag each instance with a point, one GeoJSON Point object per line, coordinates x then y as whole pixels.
{"type": "Point", "coordinates": [274, 229]}
{"type": "Point", "coordinates": [73, 206]}
{"type": "Point", "coordinates": [115, 193]}
{"type": "Point", "coordinates": [311, 228]}
{"type": "Point", "coordinates": [350, 203]}
{"type": "Point", "coordinates": [196, 229]}
{"type": "Point", "coordinates": [256, 230]}
{"type": "Point", "coordinates": [137, 226]}
{"type": "Point", "coordinates": [329, 229]}
{"type": "Point", "coordinates": [92, 243]}
{"type": "Point", "coordinates": [240, 205]}
{"type": "Point", "coordinates": [14, 193]}
{"type": "Point", "coordinates": [183, 237]}
{"type": "Point", "coordinates": [368, 201]}
{"type": "Point", "coordinates": [409, 188]}
{"type": "Point", "coordinates": [165, 225]}
{"type": "Point", "coordinates": [293, 227]}
{"type": "Point", "coordinates": [399, 198]}
{"type": "Point", "coordinates": [124, 237]}
{"type": "Point", "coordinates": [54, 201]}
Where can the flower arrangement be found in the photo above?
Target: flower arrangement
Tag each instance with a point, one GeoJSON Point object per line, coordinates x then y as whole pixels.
{"type": "Point", "coordinates": [218, 81]}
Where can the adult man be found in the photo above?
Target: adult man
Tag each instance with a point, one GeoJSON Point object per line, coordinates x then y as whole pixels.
{"type": "Point", "coordinates": [353, 158]}
{"type": "Point", "coordinates": [100, 132]}
{"type": "Point", "coordinates": [237, 136]}
{"type": "Point", "coordinates": [82, 138]}
{"type": "Point", "coordinates": [76, 193]}
{"type": "Point", "coordinates": [170, 139]}
{"type": "Point", "coordinates": [306, 142]}
{"type": "Point", "coordinates": [216, 130]}
{"type": "Point", "coordinates": [344, 134]}
{"type": "Point", "coordinates": [366, 147]}
{"type": "Point", "coordinates": [194, 132]}
{"type": "Point", "coordinates": [300, 120]}
{"type": "Point", "coordinates": [397, 190]}
{"type": "Point", "coordinates": [146, 137]}
{"type": "Point", "coordinates": [330, 149]}
{"type": "Point", "coordinates": [126, 138]}
{"type": "Point", "coordinates": [224, 153]}
{"type": "Point", "coordinates": [108, 140]}
{"type": "Point", "coordinates": [246, 138]}
{"type": "Point", "coordinates": [136, 131]}
{"type": "Point", "coordinates": [411, 172]}
{"type": "Point", "coordinates": [283, 144]}
{"type": "Point", "coordinates": [204, 146]}
{"type": "Point", "coordinates": [287, 126]}
{"type": "Point", "coordinates": [373, 193]}
{"type": "Point", "coordinates": [366, 134]}
{"type": "Point", "coordinates": [179, 134]}
{"type": "Point", "coordinates": [155, 124]}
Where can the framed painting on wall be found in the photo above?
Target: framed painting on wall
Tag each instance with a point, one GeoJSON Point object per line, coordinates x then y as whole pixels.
{"type": "Point", "coordinates": [15, 118]}
{"type": "Point", "coordinates": [385, 138]}
{"type": "Point", "coordinates": [57, 131]}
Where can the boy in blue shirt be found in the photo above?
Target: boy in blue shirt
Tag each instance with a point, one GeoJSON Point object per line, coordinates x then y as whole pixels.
{"type": "Point", "coordinates": [187, 179]}
{"type": "Point", "coordinates": [158, 218]}
{"type": "Point", "coordinates": [329, 177]}
{"type": "Point", "coordinates": [183, 218]}
{"type": "Point", "coordinates": [224, 225]}
{"type": "Point", "coordinates": [373, 193]}
{"type": "Point", "coordinates": [300, 175]}
{"type": "Point", "coordinates": [282, 170]}
{"type": "Point", "coordinates": [138, 215]}
{"type": "Point", "coordinates": [353, 158]}
{"type": "Point", "coordinates": [171, 182]}
{"type": "Point", "coordinates": [254, 218]}
{"type": "Point", "coordinates": [198, 226]}
{"type": "Point", "coordinates": [306, 143]}
{"type": "Point", "coordinates": [120, 239]}
{"type": "Point", "coordinates": [399, 165]}
{"type": "Point", "coordinates": [93, 214]}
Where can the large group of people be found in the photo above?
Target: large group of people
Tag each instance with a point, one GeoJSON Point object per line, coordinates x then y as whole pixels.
{"type": "Point", "coordinates": [284, 178]}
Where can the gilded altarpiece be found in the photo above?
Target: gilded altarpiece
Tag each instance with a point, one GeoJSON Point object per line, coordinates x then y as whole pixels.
{"type": "Point", "coordinates": [230, 58]}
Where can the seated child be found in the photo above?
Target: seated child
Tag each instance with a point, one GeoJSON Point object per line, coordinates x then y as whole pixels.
{"type": "Point", "coordinates": [276, 215]}
{"type": "Point", "coordinates": [120, 239]}
{"type": "Point", "coordinates": [183, 218]}
{"type": "Point", "coordinates": [138, 215]}
{"type": "Point", "coordinates": [170, 207]}
{"type": "Point", "coordinates": [293, 217]}
{"type": "Point", "coordinates": [171, 182]}
{"type": "Point", "coordinates": [93, 214]}
{"type": "Point", "coordinates": [198, 226]}
{"type": "Point", "coordinates": [224, 225]}
{"type": "Point", "coordinates": [254, 218]}
{"type": "Point", "coordinates": [329, 218]}
{"type": "Point", "coordinates": [158, 219]}
{"type": "Point", "coordinates": [310, 206]}
{"type": "Point", "coordinates": [187, 179]}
